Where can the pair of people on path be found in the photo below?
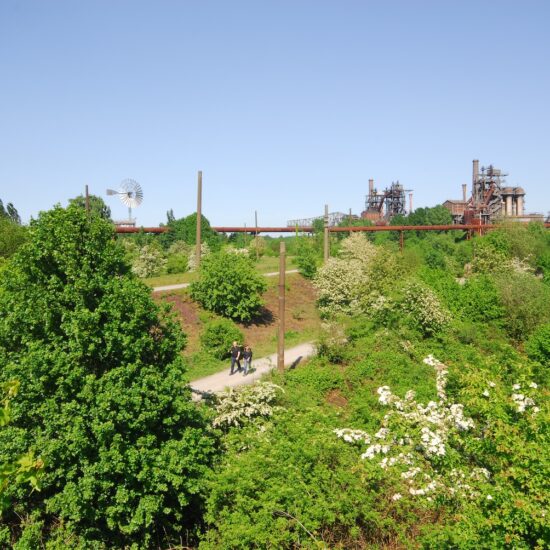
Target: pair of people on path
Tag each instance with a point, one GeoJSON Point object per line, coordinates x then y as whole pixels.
{"type": "Point", "coordinates": [238, 353]}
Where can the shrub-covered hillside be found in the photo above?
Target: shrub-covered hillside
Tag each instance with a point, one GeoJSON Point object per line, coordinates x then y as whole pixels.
{"type": "Point", "coordinates": [422, 423]}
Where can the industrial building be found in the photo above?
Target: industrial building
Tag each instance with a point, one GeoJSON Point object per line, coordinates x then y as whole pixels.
{"type": "Point", "coordinates": [491, 200]}
{"type": "Point", "coordinates": [382, 206]}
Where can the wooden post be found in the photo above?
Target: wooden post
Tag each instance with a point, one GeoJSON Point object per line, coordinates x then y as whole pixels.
{"type": "Point", "coordinates": [256, 239]}
{"type": "Point", "coordinates": [199, 219]}
{"type": "Point", "coordinates": [326, 254]}
{"type": "Point", "coordinates": [401, 241]}
{"type": "Point", "coordinates": [349, 221]}
{"type": "Point", "coordinates": [281, 338]}
{"type": "Point", "coordinates": [87, 202]}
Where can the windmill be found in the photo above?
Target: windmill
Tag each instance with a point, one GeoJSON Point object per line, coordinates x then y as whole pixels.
{"type": "Point", "coordinates": [130, 193]}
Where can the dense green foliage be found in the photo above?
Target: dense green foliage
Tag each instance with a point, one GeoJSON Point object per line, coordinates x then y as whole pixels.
{"type": "Point", "coordinates": [24, 469]}
{"type": "Point", "coordinates": [97, 205]}
{"type": "Point", "coordinates": [185, 229]}
{"type": "Point", "coordinates": [103, 394]}
{"type": "Point", "coordinates": [9, 212]}
{"type": "Point", "coordinates": [12, 236]}
{"type": "Point", "coordinates": [219, 335]}
{"type": "Point", "coordinates": [538, 345]}
{"type": "Point", "coordinates": [229, 285]}
{"type": "Point", "coordinates": [307, 258]}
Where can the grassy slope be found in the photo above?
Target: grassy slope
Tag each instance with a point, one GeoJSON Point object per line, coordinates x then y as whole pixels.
{"type": "Point", "coordinates": [302, 323]}
{"type": "Point", "coordinates": [266, 264]}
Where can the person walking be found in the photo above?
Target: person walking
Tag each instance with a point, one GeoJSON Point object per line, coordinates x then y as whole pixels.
{"type": "Point", "coordinates": [247, 356]}
{"type": "Point", "coordinates": [235, 352]}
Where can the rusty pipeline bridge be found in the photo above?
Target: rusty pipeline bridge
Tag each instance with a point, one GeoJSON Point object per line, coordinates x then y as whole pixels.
{"type": "Point", "coordinates": [472, 228]}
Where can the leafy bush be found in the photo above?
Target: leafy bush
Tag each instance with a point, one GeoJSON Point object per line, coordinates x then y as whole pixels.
{"type": "Point", "coordinates": [26, 468]}
{"type": "Point", "coordinates": [229, 285]}
{"type": "Point", "coordinates": [291, 486]}
{"type": "Point", "coordinates": [538, 345]}
{"type": "Point", "coordinates": [177, 263]}
{"type": "Point", "coordinates": [219, 335]}
{"type": "Point", "coordinates": [526, 303]}
{"type": "Point", "coordinates": [102, 393]}
{"type": "Point", "coordinates": [149, 262]}
{"type": "Point", "coordinates": [306, 258]}
{"type": "Point", "coordinates": [479, 299]}
{"type": "Point", "coordinates": [424, 309]}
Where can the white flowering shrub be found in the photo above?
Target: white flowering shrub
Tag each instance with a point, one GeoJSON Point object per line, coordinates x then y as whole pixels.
{"type": "Point", "coordinates": [179, 247]}
{"type": "Point", "coordinates": [238, 251]}
{"type": "Point", "coordinates": [421, 441]}
{"type": "Point", "coordinates": [358, 247]}
{"type": "Point", "coordinates": [424, 308]}
{"type": "Point", "coordinates": [332, 342]}
{"type": "Point", "coordinates": [339, 284]}
{"type": "Point", "coordinates": [345, 282]}
{"type": "Point", "coordinates": [192, 259]}
{"type": "Point", "coordinates": [437, 453]}
{"type": "Point", "coordinates": [257, 246]}
{"type": "Point", "coordinates": [149, 262]}
{"type": "Point", "coordinates": [238, 406]}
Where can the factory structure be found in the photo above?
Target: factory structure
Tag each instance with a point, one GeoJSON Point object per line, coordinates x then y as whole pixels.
{"type": "Point", "coordinates": [491, 201]}
{"type": "Point", "coordinates": [381, 206]}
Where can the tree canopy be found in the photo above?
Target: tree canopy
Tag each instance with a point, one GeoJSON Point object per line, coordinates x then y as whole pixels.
{"type": "Point", "coordinates": [97, 205]}
{"type": "Point", "coordinates": [102, 395]}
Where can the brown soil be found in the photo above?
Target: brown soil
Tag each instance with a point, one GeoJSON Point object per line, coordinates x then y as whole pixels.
{"type": "Point", "coordinates": [335, 397]}
{"type": "Point", "coordinates": [300, 314]}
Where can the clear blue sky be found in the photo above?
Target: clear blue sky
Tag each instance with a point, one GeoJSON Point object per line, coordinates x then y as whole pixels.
{"type": "Point", "coordinates": [284, 105]}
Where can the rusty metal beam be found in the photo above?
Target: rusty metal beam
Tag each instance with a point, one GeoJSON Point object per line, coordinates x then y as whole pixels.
{"type": "Point", "coordinates": [367, 228]}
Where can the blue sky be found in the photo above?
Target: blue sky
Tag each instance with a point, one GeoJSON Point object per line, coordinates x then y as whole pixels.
{"type": "Point", "coordinates": [284, 105]}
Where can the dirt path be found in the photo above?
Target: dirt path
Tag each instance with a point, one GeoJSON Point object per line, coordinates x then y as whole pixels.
{"type": "Point", "coordinates": [185, 285]}
{"type": "Point", "coordinates": [221, 380]}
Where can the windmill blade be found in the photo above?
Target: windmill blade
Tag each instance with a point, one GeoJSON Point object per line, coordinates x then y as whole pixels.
{"type": "Point", "coordinates": [130, 193]}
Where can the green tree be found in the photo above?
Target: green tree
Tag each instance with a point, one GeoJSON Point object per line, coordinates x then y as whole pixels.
{"type": "Point", "coordinates": [9, 212]}
{"type": "Point", "coordinates": [97, 205]}
{"type": "Point", "coordinates": [103, 392]}
{"type": "Point", "coordinates": [185, 229]}
{"type": "Point", "coordinates": [12, 236]}
{"type": "Point", "coordinates": [229, 285]}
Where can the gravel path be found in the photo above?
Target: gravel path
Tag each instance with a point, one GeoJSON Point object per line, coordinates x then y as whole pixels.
{"type": "Point", "coordinates": [185, 285]}
{"type": "Point", "coordinates": [221, 380]}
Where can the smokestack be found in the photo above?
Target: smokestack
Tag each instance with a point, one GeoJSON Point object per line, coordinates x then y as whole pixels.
{"type": "Point", "coordinates": [371, 187]}
{"type": "Point", "coordinates": [410, 203]}
{"type": "Point", "coordinates": [464, 186]}
{"type": "Point", "coordinates": [475, 171]}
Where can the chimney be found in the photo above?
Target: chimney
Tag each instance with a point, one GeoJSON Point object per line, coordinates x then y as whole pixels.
{"type": "Point", "coordinates": [464, 186]}
{"type": "Point", "coordinates": [371, 187]}
{"type": "Point", "coordinates": [410, 203]}
{"type": "Point", "coordinates": [475, 171]}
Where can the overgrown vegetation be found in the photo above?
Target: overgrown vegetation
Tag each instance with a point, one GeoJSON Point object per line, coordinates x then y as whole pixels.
{"type": "Point", "coordinates": [421, 423]}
